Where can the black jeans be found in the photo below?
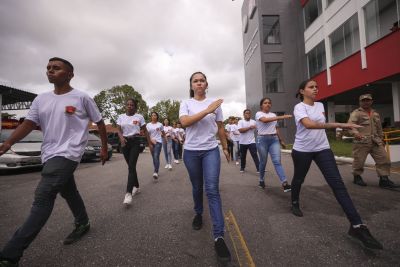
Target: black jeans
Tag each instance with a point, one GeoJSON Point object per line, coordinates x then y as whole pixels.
{"type": "Point", "coordinates": [131, 155]}
{"type": "Point", "coordinates": [57, 177]}
{"type": "Point", "coordinates": [253, 152]}
{"type": "Point", "coordinates": [230, 148]}
{"type": "Point", "coordinates": [325, 161]}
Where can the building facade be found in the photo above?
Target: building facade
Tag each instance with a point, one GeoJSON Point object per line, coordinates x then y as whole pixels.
{"type": "Point", "coordinates": [274, 58]}
{"type": "Point", "coordinates": [350, 47]}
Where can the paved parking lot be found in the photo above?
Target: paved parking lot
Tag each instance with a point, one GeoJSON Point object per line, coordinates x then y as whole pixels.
{"type": "Point", "coordinates": [156, 230]}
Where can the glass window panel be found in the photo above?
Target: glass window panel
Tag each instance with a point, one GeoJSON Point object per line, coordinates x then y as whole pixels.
{"type": "Point", "coordinates": [312, 10]}
{"type": "Point", "coordinates": [271, 31]}
{"type": "Point", "coordinates": [381, 18]}
{"type": "Point", "coordinates": [316, 59]}
{"type": "Point", "coordinates": [345, 40]}
{"type": "Point", "coordinates": [274, 77]}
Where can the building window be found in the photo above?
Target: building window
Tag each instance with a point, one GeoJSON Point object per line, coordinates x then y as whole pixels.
{"type": "Point", "coordinates": [381, 18]}
{"type": "Point", "coordinates": [271, 32]}
{"type": "Point", "coordinates": [345, 40]}
{"type": "Point", "coordinates": [274, 77]}
{"type": "Point", "coordinates": [329, 2]}
{"type": "Point", "coordinates": [312, 10]}
{"type": "Point", "coordinates": [316, 59]}
{"type": "Point", "coordinates": [281, 123]}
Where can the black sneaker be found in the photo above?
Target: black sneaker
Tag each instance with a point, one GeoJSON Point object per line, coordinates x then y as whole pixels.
{"type": "Point", "coordinates": [7, 263]}
{"type": "Point", "coordinates": [79, 231]}
{"type": "Point", "coordinates": [297, 211]}
{"type": "Point", "coordinates": [261, 185]}
{"type": "Point", "coordinates": [385, 182]}
{"type": "Point", "coordinates": [362, 234]}
{"type": "Point", "coordinates": [286, 187]}
{"type": "Point", "coordinates": [222, 250]}
{"type": "Point", "coordinates": [358, 180]}
{"type": "Point", "coordinates": [197, 222]}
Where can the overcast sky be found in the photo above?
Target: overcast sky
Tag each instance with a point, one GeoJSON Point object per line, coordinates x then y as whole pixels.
{"type": "Point", "coordinates": [153, 45]}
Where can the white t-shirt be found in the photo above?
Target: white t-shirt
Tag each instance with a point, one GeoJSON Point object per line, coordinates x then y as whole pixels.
{"type": "Point", "coordinates": [175, 132]}
{"type": "Point", "coordinates": [130, 125]}
{"type": "Point", "coordinates": [155, 130]}
{"type": "Point", "coordinates": [265, 127]}
{"type": "Point", "coordinates": [181, 134]}
{"type": "Point", "coordinates": [64, 120]}
{"type": "Point", "coordinates": [233, 131]}
{"type": "Point", "coordinates": [201, 135]}
{"type": "Point", "coordinates": [247, 137]}
{"type": "Point", "coordinates": [168, 131]}
{"type": "Point", "coordinates": [310, 140]}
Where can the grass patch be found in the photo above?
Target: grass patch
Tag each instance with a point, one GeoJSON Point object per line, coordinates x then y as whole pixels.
{"type": "Point", "coordinates": [339, 148]}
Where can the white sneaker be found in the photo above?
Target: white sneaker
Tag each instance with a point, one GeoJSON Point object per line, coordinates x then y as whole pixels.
{"type": "Point", "coordinates": [128, 199]}
{"type": "Point", "coordinates": [155, 176]}
{"type": "Point", "coordinates": [176, 161]}
{"type": "Point", "coordinates": [166, 166]}
{"type": "Point", "coordinates": [170, 167]}
{"type": "Point", "coordinates": [237, 162]}
{"type": "Point", "coordinates": [135, 191]}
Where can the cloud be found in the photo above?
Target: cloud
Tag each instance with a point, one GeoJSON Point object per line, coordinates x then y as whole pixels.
{"type": "Point", "coordinates": [152, 45]}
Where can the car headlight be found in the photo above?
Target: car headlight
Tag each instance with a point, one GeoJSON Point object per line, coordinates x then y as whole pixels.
{"type": "Point", "coordinates": [89, 148]}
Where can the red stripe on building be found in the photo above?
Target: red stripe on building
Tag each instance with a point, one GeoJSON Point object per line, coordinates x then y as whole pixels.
{"type": "Point", "coordinates": [383, 60]}
{"type": "Point", "coordinates": [303, 2]}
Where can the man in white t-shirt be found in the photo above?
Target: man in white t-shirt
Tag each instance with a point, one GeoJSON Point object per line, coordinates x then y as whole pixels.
{"type": "Point", "coordinates": [63, 115]}
{"type": "Point", "coordinates": [247, 140]}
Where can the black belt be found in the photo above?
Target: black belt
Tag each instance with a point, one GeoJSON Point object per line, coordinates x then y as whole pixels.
{"type": "Point", "coordinates": [268, 134]}
{"type": "Point", "coordinates": [132, 136]}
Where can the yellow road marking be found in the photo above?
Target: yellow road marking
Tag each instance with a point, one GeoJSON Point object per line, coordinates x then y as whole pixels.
{"type": "Point", "coordinates": [242, 252]}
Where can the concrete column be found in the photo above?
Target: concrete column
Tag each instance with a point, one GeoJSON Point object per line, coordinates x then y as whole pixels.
{"type": "Point", "coordinates": [331, 112]}
{"type": "Point", "coordinates": [363, 38]}
{"type": "Point", "coordinates": [396, 102]}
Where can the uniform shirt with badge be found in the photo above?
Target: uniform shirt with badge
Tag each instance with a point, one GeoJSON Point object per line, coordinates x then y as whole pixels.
{"type": "Point", "coordinates": [310, 140]}
{"type": "Point", "coordinates": [201, 135]}
{"type": "Point", "coordinates": [64, 120]}
{"type": "Point", "coordinates": [264, 128]}
{"type": "Point", "coordinates": [247, 138]}
{"type": "Point", "coordinates": [155, 131]}
{"type": "Point", "coordinates": [130, 125]}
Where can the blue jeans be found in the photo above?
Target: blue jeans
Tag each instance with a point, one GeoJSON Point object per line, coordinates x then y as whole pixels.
{"type": "Point", "coordinates": [156, 156]}
{"type": "Point", "coordinates": [325, 161]}
{"type": "Point", "coordinates": [270, 144]}
{"type": "Point", "coordinates": [167, 147]}
{"type": "Point", "coordinates": [204, 167]}
{"type": "Point", "coordinates": [253, 152]}
{"type": "Point", "coordinates": [57, 177]}
{"type": "Point", "coordinates": [175, 149]}
{"type": "Point", "coordinates": [235, 152]}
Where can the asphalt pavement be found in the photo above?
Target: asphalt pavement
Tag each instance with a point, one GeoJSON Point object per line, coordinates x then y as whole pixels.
{"type": "Point", "coordinates": [156, 229]}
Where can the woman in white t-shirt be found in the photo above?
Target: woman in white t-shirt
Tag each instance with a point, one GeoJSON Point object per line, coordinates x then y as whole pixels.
{"type": "Point", "coordinates": [269, 141]}
{"type": "Point", "coordinates": [167, 144]}
{"type": "Point", "coordinates": [129, 126]}
{"type": "Point", "coordinates": [156, 133]}
{"type": "Point", "coordinates": [311, 144]}
{"type": "Point", "coordinates": [202, 118]}
{"type": "Point", "coordinates": [175, 142]}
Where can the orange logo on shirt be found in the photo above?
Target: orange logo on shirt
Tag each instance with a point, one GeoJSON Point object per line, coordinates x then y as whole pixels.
{"type": "Point", "coordinates": [135, 122]}
{"type": "Point", "coordinates": [70, 109]}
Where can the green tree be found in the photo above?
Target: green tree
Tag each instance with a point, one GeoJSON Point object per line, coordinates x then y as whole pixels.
{"type": "Point", "coordinates": [167, 109]}
{"type": "Point", "coordinates": [111, 102]}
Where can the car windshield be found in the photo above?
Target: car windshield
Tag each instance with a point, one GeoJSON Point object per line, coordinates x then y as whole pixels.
{"type": "Point", "coordinates": [33, 137]}
{"type": "Point", "coordinates": [93, 137]}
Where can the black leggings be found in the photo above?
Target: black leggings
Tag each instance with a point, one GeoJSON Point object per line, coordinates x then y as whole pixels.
{"type": "Point", "coordinates": [131, 155]}
{"type": "Point", "coordinates": [325, 161]}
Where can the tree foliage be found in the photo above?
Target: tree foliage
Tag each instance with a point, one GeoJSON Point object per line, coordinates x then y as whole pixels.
{"type": "Point", "coordinates": [167, 109]}
{"type": "Point", "coordinates": [111, 102]}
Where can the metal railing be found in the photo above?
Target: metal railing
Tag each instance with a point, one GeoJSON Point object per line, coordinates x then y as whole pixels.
{"type": "Point", "coordinates": [387, 139]}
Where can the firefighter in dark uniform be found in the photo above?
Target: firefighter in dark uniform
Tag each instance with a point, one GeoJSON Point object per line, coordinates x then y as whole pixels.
{"type": "Point", "coordinates": [369, 140]}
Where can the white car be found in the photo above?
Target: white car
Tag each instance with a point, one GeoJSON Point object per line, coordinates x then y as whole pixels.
{"type": "Point", "coordinates": [24, 154]}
